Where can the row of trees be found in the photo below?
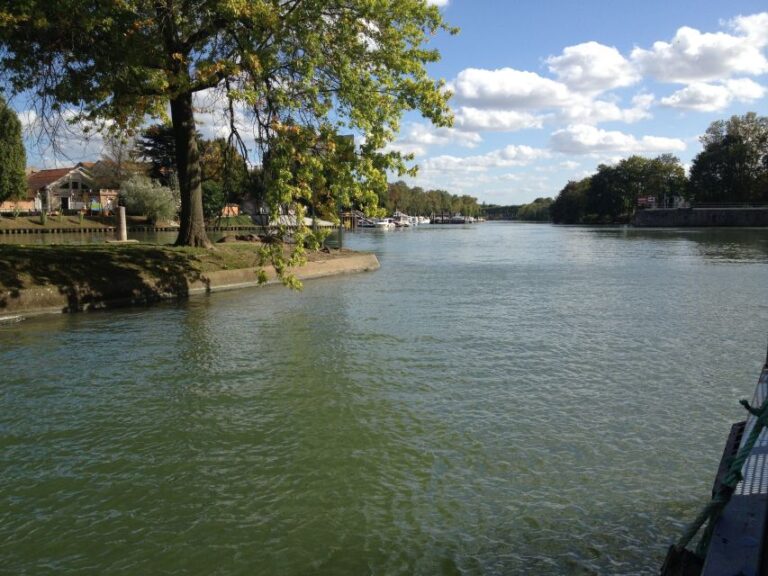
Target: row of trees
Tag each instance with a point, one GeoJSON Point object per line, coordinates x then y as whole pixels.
{"type": "Point", "coordinates": [419, 202]}
{"type": "Point", "coordinates": [611, 195]}
{"type": "Point", "coordinates": [536, 211]}
{"type": "Point", "coordinates": [731, 168]}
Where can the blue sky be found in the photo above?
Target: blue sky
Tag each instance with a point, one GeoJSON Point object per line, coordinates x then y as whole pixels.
{"type": "Point", "coordinates": [544, 91]}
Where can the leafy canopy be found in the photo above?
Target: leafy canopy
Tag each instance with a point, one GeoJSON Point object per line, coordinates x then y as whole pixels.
{"type": "Point", "coordinates": [301, 71]}
{"type": "Point", "coordinates": [13, 182]}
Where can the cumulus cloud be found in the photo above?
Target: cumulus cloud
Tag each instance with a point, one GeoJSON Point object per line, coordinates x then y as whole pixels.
{"type": "Point", "coordinates": [478, 119]}
{"type": "Point", "coordinates": [505, 157]}
{"type": "Point", "coordinates": [704, 97]}
{"type": "Point", "coordinates": [418, 137]}
{"type": "Point", "coordinates": [439, 3]}
{"type": "Point", "coordinates": [754, 27]}
{"type": "Point", "coordinates": [585, 139]}
{"type": "Point", "coordinates": [693, 56]}
{"type": "Point", "coordinates": [507, 88]}
{"type": "Point", "coordinates": [508, 100]}
{"type": "Point", "coordinates": [589, 111]}
{"type": "Point", "coordinates": [592, 68]}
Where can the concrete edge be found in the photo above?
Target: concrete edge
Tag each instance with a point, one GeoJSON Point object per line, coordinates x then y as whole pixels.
{"type": "Point", "coordinates": [43, 300]}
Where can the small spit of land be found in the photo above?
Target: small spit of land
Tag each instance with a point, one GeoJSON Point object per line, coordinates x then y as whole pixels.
{"type": "Point", "coordinates": [41, 279]}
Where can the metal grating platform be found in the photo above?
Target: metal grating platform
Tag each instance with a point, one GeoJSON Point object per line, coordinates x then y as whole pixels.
{"type": "Point", "coordinates": [738, 541]}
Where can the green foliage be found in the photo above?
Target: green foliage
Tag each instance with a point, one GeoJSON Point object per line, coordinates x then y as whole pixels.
{"type": "Point", "coordinates": [13, 159]}
{"type": "Point", "coordinates": [496, 212]}
{"type": "Point", "coordinates": [733, 166]}
{"type": "Point", "coordinates": [536, 211]}
{"type": "Point", "coordinates": [419, 202]}
{"type": "Point", "coordinates": [146, 197]}
{"type": "Point", "coordinates": [611, 194]}
{"type": "Point", "coordinates": [157, 145]}
{"type": "Point", "coordinates": [214, 199]}
{"type": "Point", "coordinates": [306, 71]}
{"type": "Point", "coordinates": [570, 205]}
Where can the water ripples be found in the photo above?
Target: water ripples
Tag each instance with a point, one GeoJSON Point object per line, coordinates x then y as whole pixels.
{"type": "Point", "coordinates": [495, 400]}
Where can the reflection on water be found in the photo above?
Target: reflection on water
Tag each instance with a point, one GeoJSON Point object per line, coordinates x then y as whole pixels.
{"type": "Point", "coordinates": [497, 399]}
{"type": "Point", "coordinates": [723, 244]}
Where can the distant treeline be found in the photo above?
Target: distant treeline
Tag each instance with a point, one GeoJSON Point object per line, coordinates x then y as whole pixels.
{"type": "Point", "coordinates": [419, 202]}
{"type": "Point", "coordinates": [732, 168]}
{"type": "Point", "coordinates": [536, 211]}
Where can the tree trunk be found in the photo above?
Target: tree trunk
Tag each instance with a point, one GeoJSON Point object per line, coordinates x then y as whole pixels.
{"type": "Point", "coordinates": [192, 222]}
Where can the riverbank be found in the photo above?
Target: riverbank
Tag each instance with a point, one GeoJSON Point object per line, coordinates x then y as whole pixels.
{"type": "Point", "coordinates": [74, 224]}
{"type": "Point", "coordinates": [56, 279]}
{"type": "Point", "coordinates": [748, 217]}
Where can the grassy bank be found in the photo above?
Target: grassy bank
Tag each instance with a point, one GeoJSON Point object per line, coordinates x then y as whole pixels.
{"type": "Point", "coordinates": [54, 222]}
{"type": "Point", "coordinates": [36, 277]}
{"type": "Point", "coordinates": [60, 222]}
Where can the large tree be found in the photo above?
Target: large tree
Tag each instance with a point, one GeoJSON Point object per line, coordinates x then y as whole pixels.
{"type": "Point", "coordinates": [733, 166]}
{"type": "Point", "coordinates": [311, 67]}
{"type": "Point", "coordinates": [13, 159]}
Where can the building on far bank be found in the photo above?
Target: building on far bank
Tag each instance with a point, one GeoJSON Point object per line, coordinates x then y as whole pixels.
{"type": "Point", "coordinates": [62, 190]}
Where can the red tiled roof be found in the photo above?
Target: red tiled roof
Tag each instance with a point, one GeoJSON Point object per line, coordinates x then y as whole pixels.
{"type": "Point", "coordinates": [43, 178]}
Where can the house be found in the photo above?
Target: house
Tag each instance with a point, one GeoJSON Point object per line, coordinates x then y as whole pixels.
{"type": "Point", "coordinates": [63, 189]}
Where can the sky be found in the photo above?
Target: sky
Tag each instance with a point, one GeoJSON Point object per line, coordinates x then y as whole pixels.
{"type": "Point", "coordinates": [545, 91]}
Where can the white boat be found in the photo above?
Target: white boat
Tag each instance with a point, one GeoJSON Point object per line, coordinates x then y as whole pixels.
{"type": "Point", "coordinates": [401, 220]}
{"type": "Point", "coordinates": [384, 224]}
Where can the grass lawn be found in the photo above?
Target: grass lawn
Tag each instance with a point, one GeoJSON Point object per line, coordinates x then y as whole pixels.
{"type": "Point", "coordinates": [73, 222]}
{"type": "Point", "coordinates": [53, 222]}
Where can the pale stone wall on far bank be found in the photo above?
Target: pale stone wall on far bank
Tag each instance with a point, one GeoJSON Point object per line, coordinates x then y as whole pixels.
{"type": "Point", "coordinates": [674, 217]}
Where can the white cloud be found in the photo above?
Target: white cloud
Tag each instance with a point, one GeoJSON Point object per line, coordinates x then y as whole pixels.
{"type": "Point", "coordinates": [468, 118]}
{"type": "Point", "coordinates": [505, 157]}
{"type": "Point", "coordinates": [754, 27]}
{"type": "Point", "coordinates": [419, 137]}
{"type": "Point", "coordinates": [592, 68]}
{"type": "Point", "coordinates": [440, 3]}
{"type": "Point", "coordinates": [508, 100]}
{"type": "Point", "coordinates": [69, 140]}
{"type": "Point", "coordinates": [694, 56]}
{"type": "Point", "coordinates": [507, 88]}
{"type": "Point", "coordinates": [585, 139]}
{"type": "Point", "coordinates": [590, 111]}
{"type": "Point", "coordinates": [705, 97]}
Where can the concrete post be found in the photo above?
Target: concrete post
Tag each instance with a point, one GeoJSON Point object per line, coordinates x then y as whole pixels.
{"type": "Point", "coordinates": [122, 229]}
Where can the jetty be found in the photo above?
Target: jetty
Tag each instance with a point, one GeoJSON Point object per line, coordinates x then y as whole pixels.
{"type": "Point", "coordinates": [735, 522]}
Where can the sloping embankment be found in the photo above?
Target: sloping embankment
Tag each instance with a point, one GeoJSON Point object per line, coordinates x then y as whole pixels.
{"type": "Point", "coordinates": [46, 298]}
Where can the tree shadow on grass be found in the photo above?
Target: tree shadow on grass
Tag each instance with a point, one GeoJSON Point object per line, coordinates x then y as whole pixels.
{"type": "Point", "coordinates": [98, 276]}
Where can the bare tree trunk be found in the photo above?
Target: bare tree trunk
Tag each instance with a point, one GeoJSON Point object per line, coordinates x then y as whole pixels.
{"type": "Point", "coordinates": [192, 225]}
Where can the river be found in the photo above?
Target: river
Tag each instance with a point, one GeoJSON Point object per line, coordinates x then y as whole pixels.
{"type": "Point", "coordinates": [496, 399]}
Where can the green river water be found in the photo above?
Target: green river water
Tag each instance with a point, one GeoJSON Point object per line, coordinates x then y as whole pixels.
{"type": "Point", "coordinates": [496, 399]}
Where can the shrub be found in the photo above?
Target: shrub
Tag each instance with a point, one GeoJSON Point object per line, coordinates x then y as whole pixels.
{"type": "Point", "coordinates": [146, 197]}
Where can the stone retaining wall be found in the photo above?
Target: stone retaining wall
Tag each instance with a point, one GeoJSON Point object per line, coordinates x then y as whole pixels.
{"type": "Point", "coordinates": [675, 217]}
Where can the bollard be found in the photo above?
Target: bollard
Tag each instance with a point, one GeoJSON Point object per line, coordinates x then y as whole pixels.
{"type": "Point", "coordinates": [122, 229]}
